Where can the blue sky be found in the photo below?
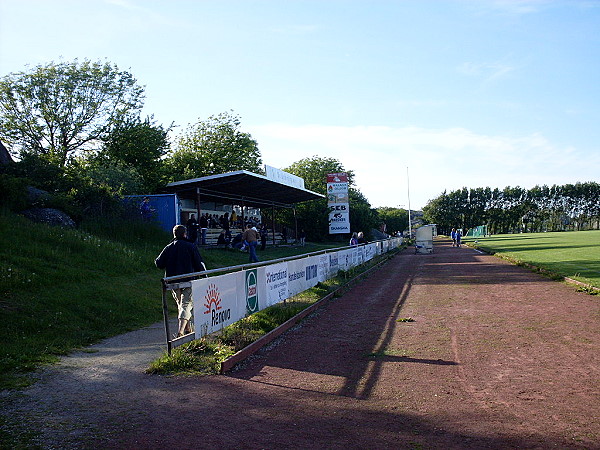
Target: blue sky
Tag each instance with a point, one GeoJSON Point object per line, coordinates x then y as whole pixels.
{"type": "Point", "coordinates": [462, 93]}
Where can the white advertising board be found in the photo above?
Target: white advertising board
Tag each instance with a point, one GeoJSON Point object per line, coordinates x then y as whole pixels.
{"type": "Point", "coordinates": [274, 283]}
{"type": "Point", "coordinates": [370, 251]}
{"type": "Point", "coordinates": [216, 303]}
{"type": "Point", "coordinates": [323, 264]}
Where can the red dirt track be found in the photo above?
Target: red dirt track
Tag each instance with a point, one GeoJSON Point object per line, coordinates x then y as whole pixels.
{"type": "Point", "coordinates": [496, 357]}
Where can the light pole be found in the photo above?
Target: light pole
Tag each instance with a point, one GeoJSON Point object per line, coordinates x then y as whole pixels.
{"type": "Point", "coordinates": [409, 223]}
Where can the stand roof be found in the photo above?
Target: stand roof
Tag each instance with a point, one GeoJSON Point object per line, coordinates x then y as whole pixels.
{"type": "Point", "coordinates": [242, 186]}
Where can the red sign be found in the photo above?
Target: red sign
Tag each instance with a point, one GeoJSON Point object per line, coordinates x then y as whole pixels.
{"type": "Point", "coordinates": [341, 177]}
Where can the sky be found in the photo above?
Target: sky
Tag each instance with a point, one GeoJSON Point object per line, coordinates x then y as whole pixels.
{"type": "Point", "coordinates": [416, 97]}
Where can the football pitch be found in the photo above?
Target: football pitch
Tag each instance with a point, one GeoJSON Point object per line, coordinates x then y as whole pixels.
{"type": "Point", "coordinates": [574, 254]}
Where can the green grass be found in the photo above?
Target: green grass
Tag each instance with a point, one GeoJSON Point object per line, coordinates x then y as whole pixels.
{"type": "Point", "coordinates": [573, 254]}
{"type": "Point", "coordinates": [65, 289]}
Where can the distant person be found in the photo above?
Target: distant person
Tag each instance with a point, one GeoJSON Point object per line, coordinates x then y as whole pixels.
{"type": "Point", "coordinates": [203, 225]}
{"type": "Point", "coordinates": [179, 258]}
{"type": "Point", "coordinates": [361, 238]}
{"type": "Point", "coordinates": [146, 209]}
{"type": "Point", "coordinates": [263, 236]}
{"type": "Point", "coordinates": [302, 237]}
{"type": "Point", "coordinates": [222, 239]}
{"type": "Point", "coordinates": [458, 237]}
{"type": "Point", "coordinates": [354, 239]}
{"type": "Point", "coordinates": [192, 228]}
{"type": "Point", "coordinates": [453, 236]}
{"type": "Point", "coordinates": [251, 238]}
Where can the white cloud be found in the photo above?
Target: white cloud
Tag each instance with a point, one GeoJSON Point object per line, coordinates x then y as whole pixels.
{"type": "Point", "coordinates": [437, 159]}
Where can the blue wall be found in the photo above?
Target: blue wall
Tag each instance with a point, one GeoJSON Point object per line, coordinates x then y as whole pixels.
{"type": "Point", "coordinates": [166, 208]}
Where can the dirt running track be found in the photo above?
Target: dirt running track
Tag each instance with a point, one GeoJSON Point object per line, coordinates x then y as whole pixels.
{"type": "Point", "coordinates": [496, 357]}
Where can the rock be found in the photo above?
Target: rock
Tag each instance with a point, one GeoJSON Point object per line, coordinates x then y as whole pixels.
{"type": "Point", "coordinates": [49, 216]}
{"type": "Point", "coordinates": [5, 157]}
{"type": "Point", "coordinates": [37, 196]}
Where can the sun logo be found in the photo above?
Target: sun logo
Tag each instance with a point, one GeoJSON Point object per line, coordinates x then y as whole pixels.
{"type": "Point", "coordinates": [212, 297]}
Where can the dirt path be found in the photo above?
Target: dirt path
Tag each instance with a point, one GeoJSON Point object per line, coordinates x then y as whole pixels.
{"type": "Point", "coordinates": [496, 357]}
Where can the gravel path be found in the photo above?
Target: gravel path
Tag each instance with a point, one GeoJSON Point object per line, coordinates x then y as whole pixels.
{"type": "Point", "coordinates": [495, 357]}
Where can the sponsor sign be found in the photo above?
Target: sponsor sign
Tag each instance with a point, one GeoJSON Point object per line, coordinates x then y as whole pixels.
{"type": "Point", "coordinates": [215, 303]}
{"type": "Point", "coordinates": [283, 177]}
{"type": "Point", "coordinates": [275, 280]}
{"type": "Point", "coordinates": [302, 274]}
{"type": "Point", "coordinates": [323, 267]}
{"type": "Point", "coordinates": [338, 203]}
{"type": "Point", "coordinates": [370, 251]}
{"type": "Point", "coordinates": [251, 290]}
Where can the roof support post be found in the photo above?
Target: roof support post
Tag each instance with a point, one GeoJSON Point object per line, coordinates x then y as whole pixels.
{"type": "Point", "coordinates": [273, 224]}
{"type": "Point", "coordinates": [295, 225]}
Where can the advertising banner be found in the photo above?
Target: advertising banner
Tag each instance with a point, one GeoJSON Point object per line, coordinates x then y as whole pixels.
{"type": "Point", "coordinates": [338, 203]}
{"type": "Point", "coordinates": [275, 282]}
{"type": "Point", "coordinates": [216, 303]}
{"type": "Point", "coordinates": [302, 275]}
{"type": "Point", "coordinates": [323, 272]}
{"type": "Point", "coordinates": [370, 251]}
{"type": "Point", "coordinates": [251, 291]}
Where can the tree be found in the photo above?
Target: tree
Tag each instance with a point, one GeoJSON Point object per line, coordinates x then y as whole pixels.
{"type": "Point", "coordinates": [213, 146]}
{"type": "Point", "coordinates": [313, 216]}
{"type": "Point", "coordinates": [138, 145]}
{"type": "Point", "coordinates": [61, 108]}
{"type": "Point", "coordinates": [396, 219]}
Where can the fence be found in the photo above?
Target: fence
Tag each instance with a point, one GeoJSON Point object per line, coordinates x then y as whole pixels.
{"type": "Point", "coordinates": [239, 291]}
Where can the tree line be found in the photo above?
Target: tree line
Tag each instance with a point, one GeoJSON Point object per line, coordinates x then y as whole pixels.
{"type": "Point", "coordinates": [76, 131]}
{"type": "Point", "coordinates": [514, 209]}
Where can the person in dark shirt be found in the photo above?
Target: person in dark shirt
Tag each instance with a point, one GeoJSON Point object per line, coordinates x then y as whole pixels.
{"type": "Point", "coordinates": [192, 228]}
{"type": "Point", "coordinates": [179, 258]}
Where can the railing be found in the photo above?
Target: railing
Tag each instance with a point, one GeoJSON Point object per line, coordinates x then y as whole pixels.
{"type": "Point", "coordinates": [170, 283]}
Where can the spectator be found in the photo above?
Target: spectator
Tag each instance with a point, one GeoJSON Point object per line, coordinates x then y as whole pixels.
{"type": "Point", "coordinates": [251, 237]}
{"type": "Point", "coordinates": [192, 228]}
{"type": "Point", "coordinates": [203, 227]}
{"type": "Point", "coordinates": [179, 258]}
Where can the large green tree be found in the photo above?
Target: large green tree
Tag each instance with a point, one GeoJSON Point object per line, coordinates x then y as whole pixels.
{"type": "Point", "coordinates": [58, 109]}
{"type": "Point", "coordinates": [139, 145]}
{"type": "Point", "coordinates": [396, 219]}
{"type": "Point", "coordinates": [213, 146]}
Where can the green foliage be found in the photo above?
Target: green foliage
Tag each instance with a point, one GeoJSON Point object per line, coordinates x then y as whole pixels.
{"type": "Point", "coordinates": [396, 219]}
{"type": "Point", "coordinates": [60, 108]}
{"type": "Point", "coordinates": [211, 147]}
{"type": "Point", "coordinates": [14, 195]}
{"type": "Point", "coordinates": [514, 209]}
{"type": "Point", "coordinates": [313, 216]}
{"type": "Point", "coordinates": [138, 146]}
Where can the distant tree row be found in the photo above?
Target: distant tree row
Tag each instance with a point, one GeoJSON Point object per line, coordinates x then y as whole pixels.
{"type": "Point", "coordinates": [515, 209]}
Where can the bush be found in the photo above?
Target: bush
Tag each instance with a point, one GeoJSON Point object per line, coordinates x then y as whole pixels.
{"type": "Point", "coordinates": [14, 193]}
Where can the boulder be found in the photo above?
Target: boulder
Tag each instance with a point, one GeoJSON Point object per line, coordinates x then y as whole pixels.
{"type": "Point", "coordinates": [37, 197]}
{"type": "Point", "coordinates": [49, 216]}
{"type": "Point", "coordinates": [5, 157]}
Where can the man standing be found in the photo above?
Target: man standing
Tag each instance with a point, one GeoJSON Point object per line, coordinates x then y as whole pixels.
{"type": "Point", "coordinates": [179, 258]}
{"type": "Point", "coordinates": [203, 227]}
{"type": "Point", "coordinates": [192, 228]}
{"type": "Point", "coordinates": [251, 237]}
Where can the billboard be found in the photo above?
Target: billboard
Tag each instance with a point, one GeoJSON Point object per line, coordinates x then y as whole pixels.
{"type": "Point", "coordinates": [338, 203]}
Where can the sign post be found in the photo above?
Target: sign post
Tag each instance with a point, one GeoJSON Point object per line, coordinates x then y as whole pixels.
{"type": "Point", "coordinates": [338, 203]}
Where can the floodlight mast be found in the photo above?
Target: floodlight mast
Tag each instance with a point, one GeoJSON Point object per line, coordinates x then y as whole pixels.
{"type": "Point", "coordinates": [409, 222]}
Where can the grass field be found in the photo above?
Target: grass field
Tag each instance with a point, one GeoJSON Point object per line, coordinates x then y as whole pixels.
{"type": "Point", "coordinates": [574, 254]}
